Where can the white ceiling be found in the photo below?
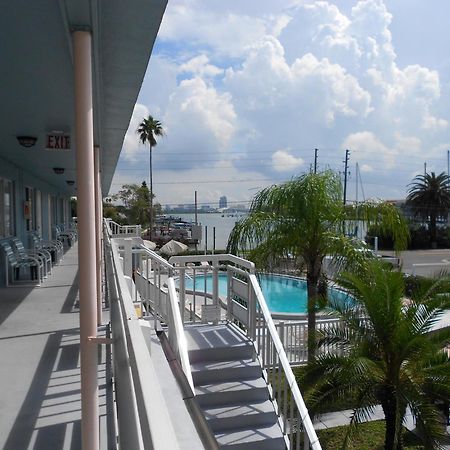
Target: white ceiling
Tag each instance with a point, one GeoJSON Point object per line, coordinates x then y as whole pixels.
{"type": "Point", "coordinates": [36, 81]}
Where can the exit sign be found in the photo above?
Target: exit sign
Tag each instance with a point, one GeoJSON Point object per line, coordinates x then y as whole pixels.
{"type": "Point", "coordinates": [58, 142]}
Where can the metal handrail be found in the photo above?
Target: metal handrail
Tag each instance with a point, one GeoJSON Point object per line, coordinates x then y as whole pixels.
{"type": "Point", "coordinates": [310, 432]}
{"type": "Point", "coordinates": [177, 337]}
{"type": "Point", "coordinates": [172, 313]}
{"type": "Point", "coordinates": [214, 259]}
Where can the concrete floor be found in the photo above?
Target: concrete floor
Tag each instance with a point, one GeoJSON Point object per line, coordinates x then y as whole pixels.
{"type": "Point", "coordinates": [40, 369]}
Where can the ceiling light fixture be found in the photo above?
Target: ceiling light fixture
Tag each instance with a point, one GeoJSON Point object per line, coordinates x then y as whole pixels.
{"type": "Point", "coordinates": [27, 141]}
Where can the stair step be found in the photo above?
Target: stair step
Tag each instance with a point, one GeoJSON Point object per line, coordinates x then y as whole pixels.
{"type": "Point", "coordinates": [217, 394]}
{"type": "Point", "coordinates": [261, 438]}
{"type": "Point", "coordinates": [238, 415]}
{"type": "Point", "coordinates": [243, 350]}
{"type": "Point", "coordinates": [207, 372]}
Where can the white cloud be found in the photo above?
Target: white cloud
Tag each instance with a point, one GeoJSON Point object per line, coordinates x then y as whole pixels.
{"type": "Point", "coordinates": [226, 33]}
{"type": "Point", "coordinates": [199, 119]}
{"type": "Point", "coordinates": [283, 161]}
{"type": "Point", "coordinates": [308, 86]}
{"type": "Point", "coordinates": [365, 145]}
{"type": "Point", "coordinates": [200, 66]}
{"type": "Point", "coordinates": [366, 168]}
{"type": "Point", "coordinates": [233, 83]}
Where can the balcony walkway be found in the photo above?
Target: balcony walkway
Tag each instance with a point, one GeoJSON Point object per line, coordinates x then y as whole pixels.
{"type": "Point", "coordinates": [40, 405]}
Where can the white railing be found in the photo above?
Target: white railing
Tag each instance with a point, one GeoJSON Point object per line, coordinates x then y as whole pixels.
{"type": "Point", "coordinates": [246, 306]}
{"type": "Point", "coordinates": [177, 338]}
{"type": "Point", "coordinates": [142, 416]}
{"type": "Point", "coordinates": [155, 283]}
{"type": "Point", "coordinates": [294, 337]}
{"type": "Point", "coordinates": [116, 230]}
{"type": "Point", "coordinates": [295, 420]}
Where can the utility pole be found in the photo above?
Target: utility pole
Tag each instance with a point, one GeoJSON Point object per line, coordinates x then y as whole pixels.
{"type": "Point", "coordinates": [195, 201]}
{"type": "Point", "coordinates": [424, 168]}
{"type": "Point", "coordinates": [448, 167]}
{"type": "Point", "coordinates": [315, 160]}
{"type": "Point", "coordinates": [347, 156]}
{"type": "Point", "coordinates": [196, 222]}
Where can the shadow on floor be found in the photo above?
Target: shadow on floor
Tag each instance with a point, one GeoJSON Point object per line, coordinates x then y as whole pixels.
{"type": "Point", "coordinates": [12, 297]}
{"type": "Point", "coordinates": [60, 426]}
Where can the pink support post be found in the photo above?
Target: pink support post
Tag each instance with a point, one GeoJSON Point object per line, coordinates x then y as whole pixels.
{"type": "Point", "coordinates": [98, 229]}
{"type": "Point", "coordinates": [84, 142]}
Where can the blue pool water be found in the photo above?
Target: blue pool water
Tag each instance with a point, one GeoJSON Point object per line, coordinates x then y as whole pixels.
{"type": "Point", "coordinates": [282, 294]}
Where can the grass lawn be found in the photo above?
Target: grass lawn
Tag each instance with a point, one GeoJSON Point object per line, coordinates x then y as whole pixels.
{"type": "Point", "coordinates": [368, 436]}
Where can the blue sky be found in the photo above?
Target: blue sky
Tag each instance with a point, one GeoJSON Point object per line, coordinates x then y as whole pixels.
{"type": "Point", "coordinates": [247, 90]}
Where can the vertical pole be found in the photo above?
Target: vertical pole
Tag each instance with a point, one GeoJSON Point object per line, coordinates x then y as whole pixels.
{"type": "Point", "coordinates": [195, 201]}
{"type": "Point", "coordinates": [182, 291]}
{"type": "Point", "coordinates": [215, 284]}
{"type": "Point", "coordinates": [84, 138]}
{"type": "Point", "coordinates": [196, 223]}
{"type": "Point", "coordinates": [315, 160]}
{"type": "Point", "coordinates": [448, 165]}
{"type": "Point", "coordinates": [347, 154]}
{"type": "Point", "coordinates": [214, 241]}
{"type": "Point", "coordinates": [206, 239]}
{"type": "Point", "coordinates": [128, 257]}
{"type": "Point", "coordinates": [425, 168]}
{"type": "Point", "coordinates": [98, 229]}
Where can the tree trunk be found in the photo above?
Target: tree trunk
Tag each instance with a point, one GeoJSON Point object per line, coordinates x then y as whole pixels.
{"type": "Point", "coordinates": [392, 439]}
{"type": "Point", "coordinates": [433, 240]}
{"type": "Point", "coordinates": [312, 283]}
{"type": "Point", "coordinates": [151, 195]}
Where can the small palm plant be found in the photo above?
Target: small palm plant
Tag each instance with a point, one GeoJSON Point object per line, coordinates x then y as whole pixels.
{"type": "Point", "coordinates": [149, 129]}
{"type": "Point", "coordinates": [389, 356]}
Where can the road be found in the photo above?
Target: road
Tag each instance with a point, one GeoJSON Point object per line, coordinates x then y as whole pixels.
{"type": "Point", "coordinates": [424, 262]}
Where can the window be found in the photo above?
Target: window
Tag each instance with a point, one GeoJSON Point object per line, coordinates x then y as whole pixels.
{"type": "Point", "coordinates": [29, 212]}
{"type": "Point", "coordinates": [7, 227]}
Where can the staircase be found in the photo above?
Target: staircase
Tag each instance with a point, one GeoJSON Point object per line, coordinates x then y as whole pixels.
{"type": "Point", "coordinates": [231, 390]}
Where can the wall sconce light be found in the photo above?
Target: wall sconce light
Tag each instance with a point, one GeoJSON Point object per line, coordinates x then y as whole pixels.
{"type": "Point", "coordinates": [58, 170]}
{"type": "Point", "coordinates": [27, 141]}
{"type": "Point", "coordinates": [70, 182]}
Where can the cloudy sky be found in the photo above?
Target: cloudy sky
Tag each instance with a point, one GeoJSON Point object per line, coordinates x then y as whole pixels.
{"type": "Point", "coordinates": [247, 89]}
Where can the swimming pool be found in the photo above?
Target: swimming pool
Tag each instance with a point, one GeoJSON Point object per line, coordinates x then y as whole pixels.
{"type": "Point", "coordinates": [283, 294]}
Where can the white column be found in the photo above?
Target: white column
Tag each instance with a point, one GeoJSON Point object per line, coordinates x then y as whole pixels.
{"type": "Point", "coordinates": [98, 229]}
{"type": "Point", "coordinates": [84, 143]}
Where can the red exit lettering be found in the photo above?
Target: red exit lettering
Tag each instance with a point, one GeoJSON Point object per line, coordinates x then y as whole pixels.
{"type": "Point", "coordinates": [58, 142]}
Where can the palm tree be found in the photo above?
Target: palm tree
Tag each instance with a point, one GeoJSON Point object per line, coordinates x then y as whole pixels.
{"type": "Point", "coordinates": [429, 198]}
{"type": "Point", "coordinates": [387, 355]}
{"type": "Point", "coordinates": [303, 218]}
{"type": "Point", "coordinates": [148, 130]}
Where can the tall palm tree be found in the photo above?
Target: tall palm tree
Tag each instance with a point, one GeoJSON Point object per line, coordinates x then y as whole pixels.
{"type": "Point", "coordinates": [303, 218]}
{"type": "Point", "coordinates": [148, 130]}
{"type": "Point", "coordinates": [429, 198]}
{"type": "Point", "coordinates": [387, 355]}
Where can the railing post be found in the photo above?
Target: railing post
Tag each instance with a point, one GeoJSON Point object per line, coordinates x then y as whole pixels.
{"type": "Point", "coordinates": [215, 284]}
{"type": "Point", "coordinates": [229, 296]}
{"type": "Point", "coordinates": [128, 257]}
{"type": "Point", "coordinates": [281, 333]}
{"type": "Point", "coordinates": [182, 292]}
{"type": "Point", "coordinates": [251, 311]}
